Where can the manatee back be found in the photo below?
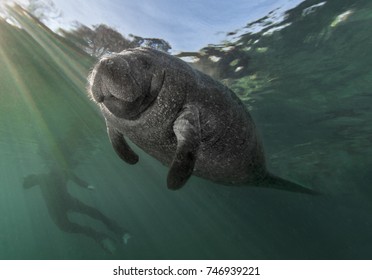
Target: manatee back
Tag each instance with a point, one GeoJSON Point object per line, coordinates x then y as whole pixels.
{"type": "Point", "coordinates": [230, 151]}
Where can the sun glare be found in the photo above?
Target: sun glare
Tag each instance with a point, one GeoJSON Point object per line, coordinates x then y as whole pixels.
{"type": "Point", "coordinates": [40, 37]}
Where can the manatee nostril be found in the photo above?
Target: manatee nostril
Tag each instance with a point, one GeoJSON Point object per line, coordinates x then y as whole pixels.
{"type": "Point", "coordinates": [108, 62]}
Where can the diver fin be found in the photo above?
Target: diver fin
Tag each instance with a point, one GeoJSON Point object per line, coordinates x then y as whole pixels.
{"type": "Point", "coordinates": [121, 146]}
{"type": "Point", "coordinates": [187, 130]}
{"type": "Point", "coordinates": [275, 182]}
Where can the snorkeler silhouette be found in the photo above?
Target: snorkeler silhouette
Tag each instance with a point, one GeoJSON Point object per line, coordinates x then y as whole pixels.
{"type": "Point", "coordinates": [60, 203]}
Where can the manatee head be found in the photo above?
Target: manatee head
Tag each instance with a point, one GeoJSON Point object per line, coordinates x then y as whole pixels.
{"type": "Point", "coordinates": [126, 83]}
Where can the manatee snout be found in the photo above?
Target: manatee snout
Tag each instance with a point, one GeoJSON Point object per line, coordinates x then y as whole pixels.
{"type": "Point", "coordinates": [116, 85]}
{"type": "Point", "coordinates": [112, 76]}
{"type": "Point", "coordinates": [94, 87]}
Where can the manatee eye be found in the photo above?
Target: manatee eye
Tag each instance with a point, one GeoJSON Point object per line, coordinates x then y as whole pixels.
{"type": "Point", "coordinates": [108, 64]}
{"type": "Point", "coordinates": [144, 63]}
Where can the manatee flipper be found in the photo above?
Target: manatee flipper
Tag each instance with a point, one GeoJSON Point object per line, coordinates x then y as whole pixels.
{"type": "Point", "coordinates": [275, 182]}
{"type": "Point", "coordinates": [121, 146]}
{"type": "Point", "coordinates": [187, 130]}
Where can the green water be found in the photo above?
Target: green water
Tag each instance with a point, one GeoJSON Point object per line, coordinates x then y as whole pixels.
{"type": "Point", "coordinates": [308, 87]}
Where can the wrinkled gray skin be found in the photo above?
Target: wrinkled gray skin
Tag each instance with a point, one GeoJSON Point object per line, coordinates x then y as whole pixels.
{"type": "Point", "coordinates": [180, 116]}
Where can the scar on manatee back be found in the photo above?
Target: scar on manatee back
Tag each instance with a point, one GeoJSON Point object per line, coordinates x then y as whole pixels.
{"type": "Point", "coordinates": [182, 117]}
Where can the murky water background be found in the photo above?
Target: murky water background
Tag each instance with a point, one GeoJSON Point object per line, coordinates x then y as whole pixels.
{"type": "Point", "coordinates": [308, 86]}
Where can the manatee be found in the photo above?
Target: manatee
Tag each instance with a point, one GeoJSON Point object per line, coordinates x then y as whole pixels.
{"type": "Point", "coordinates": [182, 117]}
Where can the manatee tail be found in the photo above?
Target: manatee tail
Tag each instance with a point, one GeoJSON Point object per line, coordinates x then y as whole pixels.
{"type": "Point", "coordinates": [275, 182]}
